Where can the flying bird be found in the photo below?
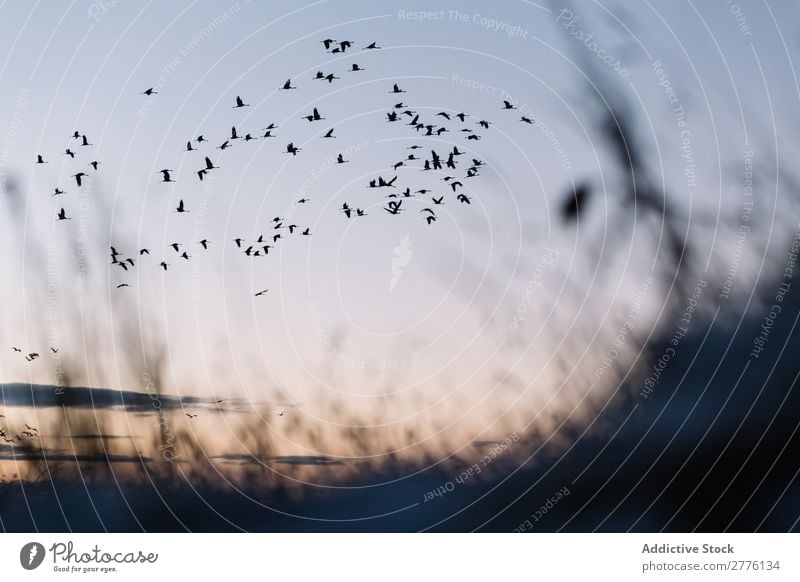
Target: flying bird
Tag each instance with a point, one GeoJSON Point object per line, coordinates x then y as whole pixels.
{"type": "Point", "coordinates": [240, 103]}
{"type": "Point", "coordinates": [149, 92]}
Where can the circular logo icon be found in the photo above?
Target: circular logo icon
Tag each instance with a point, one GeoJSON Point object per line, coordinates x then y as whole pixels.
{"type": "Point", "coordinates": [31, 555]}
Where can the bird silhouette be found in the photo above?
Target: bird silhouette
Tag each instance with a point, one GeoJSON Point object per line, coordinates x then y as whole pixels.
{"type": "Point", "coordinates": [69, 153]}
{"type": "Point", "coordinates": [260, 293]}
{"type": "Point", "coordinates": [62, 215]}
{"type": "Point", "coordinates": [166, 176]}
{"type": "Point", "coordinates": [396, 89]}
{"type": "Point", "coordinates": [371, 46]}
{"type": "Point", "coordinates": [40, 160]}
{"type": "Point", "coordinates": [508, 105]}
{"type": "Point", "coordinates": [240, 103]}
{"type": "Point", "coordinates": [315, 116]}
{"type": "Point", "coordinates": [355, 68]}
{"type": "Point", "coordinates": [149, 92]}
{"type": "Point", "coordinates": [204, 243]}
{"type": "Point", "coordinates": [288, 85]}
{"type": "Point", "coordinates": [329, 133]}
{"type": "Point", "coordinates": [290, 149]}
{"type": "Point", "coordinates": [190, 415]}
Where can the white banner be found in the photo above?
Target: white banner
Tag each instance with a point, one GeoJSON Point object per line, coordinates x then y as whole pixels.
{"type": "Point", "coordinates": [401, 557]}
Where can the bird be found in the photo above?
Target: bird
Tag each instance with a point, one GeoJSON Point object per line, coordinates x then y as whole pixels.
{"type": "Point", "coordinates": [356, 68]}
{"type": "Point", "coordinates": [234, 135]}
{"type": "Point", "coordinates": [221, 401]}
{"type": "Point", "coordinates": [439, 200]}
{"type": "Point", "coordinates": [392, 116]}
{"type": "Point", "coordinates": [288, 85]}
{"type": "Point", "coordinates": [463, 198]}
{"type": "Point", "coordinates": [62, 215]}
{"type": "Point", "coordinates": [200, 139]}
{"type": "Point", "coordinates": [315, 116]}
{"type": "Point", "coordinates": [166, 177]}
{"type": "Point", "coordinates": [204, 243]}
{"type": "Point", "coordinates": [54, 350]}
{"type": "Point", "coordinates": [484, 124]}
{"type": "Point", "coordinates": [444, 114]}
{"type": "Point", "coordinates": [191, 415]}
{"type": "Point", "coordinates": [57, 192]}
{"type": "Point", "coordinates": [149, 92]}
{"type": "Point", "coordinates": [340, 159]}
{"type": "Point", "coordinates": [224, 145]}
{"type": "Point", "coordinates": [526, 120]}
{"type": "Point", "coordinates": [238, 242]}
{"type": "Point", "coordinates": [16, 349]}
{"type": "Point", "coordinates": [508, 105]}
{"type": "Point", "coordinates": [240, 103]}
{"type": "Point", "coordinates": [396, 89]}
{"type": "Point", "coordinates": [121, 285]}
{"type": "Point", "coordinates": [260, 293]}
{"type": "Point", "coordinates": [189, 147]}
{"type": "Point", "coordinates": [201, 174]}
{"type": "Point", "coordinates": [329, 133]}
{"type": "Point", "coordinates": [94, 164]}
{"type": "Point", "coordinates": [163, 265]}
{"type": "Point", "coordinates": [371, 46]}
{"type": "Point", "coordinates": [394, 207]}
{"type": "Point", "coordinates": [330, 77]}
{"type": "Point", "coordinates": [291, 149]}
{"type": "Point", "coordinates": [40, 160]}
{"type": "Point", "coordinates": [144, 252]}
{"type": "Point", "coordinates": [281, 413]}
{"type": "Point", "coordinates": [176, 246]}
{"type": "Point", "coordinates": [346, 210]}
{"type": "Point", "coordinates": [69, 153]}
{"type": "Point", "coordinates": [181, 209]}
{"type": "Point", "coordinates": [327, 42]}
{"type": "Point", "coordinates": [210, 165]}
{"type": "Point", "coordinates": [306, 232]}
{"type": "Point", "coordinates": [85, 141]}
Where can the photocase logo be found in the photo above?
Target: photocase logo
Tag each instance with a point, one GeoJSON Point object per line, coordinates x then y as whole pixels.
{"type": "Point", "coordinates": [31, 555]}
{"type": "Point", "coordinates": [402, 256]}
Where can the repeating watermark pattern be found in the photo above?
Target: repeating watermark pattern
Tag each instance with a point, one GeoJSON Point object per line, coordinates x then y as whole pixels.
{"type": "Point", "coordinates": [542, 126]}
{"type": "Point", "coordinates": [168, 445]}
{"type": "Point", "coordinates": [402, 254]}
{"type": "Point", "coordinates": [627, 327]}
{"type": "Point", "coordinates": [543, 510]}
{"type": "Point", "coordinates": [20, 105]}
{"type": "Point", "coordinates": [760, 341]}
{"type": "Point", "coordinates": [679, 114]}
{"type": "Point", "coordinates": [491, 24]}
{"type": "Point", "coordinates": [100, 8]}
{"type": "Point", "coordinates": [568, 19]}
{"type": "Point", "coordinates": [172, 66]}
{"type": "Point", "coordinates": [680, 331]}
{"type": "Point", "coordinates": [473, 470]}
{"type": "Point", "coordinates": [744, 226]}
{"type": "Point", "coordinates": [738, 15]}
{"type": "Point", "coordinates": [549, 260]}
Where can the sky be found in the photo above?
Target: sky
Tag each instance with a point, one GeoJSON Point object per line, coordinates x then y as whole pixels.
{"type": "Point", "coordinates": [382, 304]}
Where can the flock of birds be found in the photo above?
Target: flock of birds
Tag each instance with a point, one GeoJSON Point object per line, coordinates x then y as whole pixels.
{"type": "Point", "coordinates": [449, 163]}
{"type": "Point", "coordinates": [9, 438]}
{"type": "Point", "coordinates": [450, 166]}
